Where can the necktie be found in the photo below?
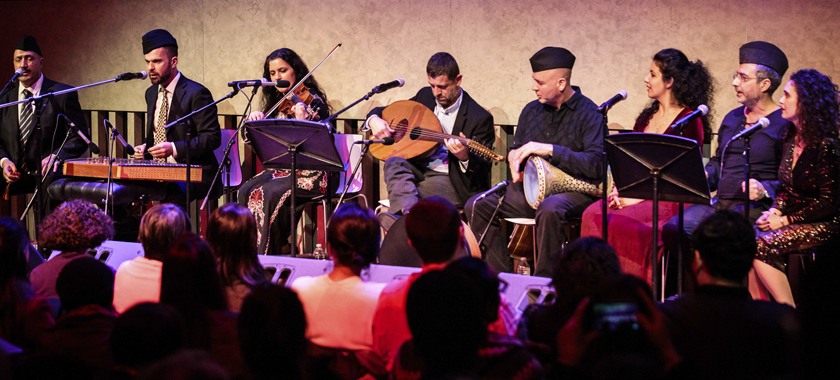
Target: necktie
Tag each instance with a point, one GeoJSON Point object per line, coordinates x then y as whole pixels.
{"type": "Point", "coordinates": [160, 131]}
{"type": "Point", "coordinates": [26, 120]}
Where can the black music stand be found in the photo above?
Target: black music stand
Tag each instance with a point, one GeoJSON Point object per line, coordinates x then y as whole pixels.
{"type": "Point", "coordinates": [294, 144]}
{"type": "Point", "coordinates": [656, 166]}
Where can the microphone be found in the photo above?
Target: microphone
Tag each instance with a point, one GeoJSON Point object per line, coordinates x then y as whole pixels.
{"type": "Point", "coordinates": [387, 86]}
{"type": "Point", "coordinates": [701, 110]}
{"type": "Point", "coordinates": [761, 123]}
{"type": "Point", "coordinates": [130, 76]}
{"type": "Point", "coordinates": [386, 141]}
{"type": "Point", "coordinates": [18, 73]}
{"type": "Point", "coordinates": [93, 148]}
{"type": "Point", "coordinates": [128, 148]}
{"type": "Point", "coordinates": [615, 99]}
{"type": "Point", "coordinates": [494, 189]}
{"type": "Point", "coordinates": [262, 82]}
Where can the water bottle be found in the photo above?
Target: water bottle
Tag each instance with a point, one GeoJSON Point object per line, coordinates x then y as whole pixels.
{"type": "Point", "coordinates": [522, 267]}
{"type": "Point", "coordinates": [319, 252]}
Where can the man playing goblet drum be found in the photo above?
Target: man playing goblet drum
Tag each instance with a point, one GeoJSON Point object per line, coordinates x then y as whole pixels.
{"type": "Point", "coordinates": [562, 126]}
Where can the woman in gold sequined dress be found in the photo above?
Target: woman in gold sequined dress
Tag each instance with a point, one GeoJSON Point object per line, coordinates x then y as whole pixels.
{"type": "Point", "coordinates": [805, 213]}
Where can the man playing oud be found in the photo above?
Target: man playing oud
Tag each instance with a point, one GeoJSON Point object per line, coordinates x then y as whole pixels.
{"type": "Point", "coordinates": [452, 171]}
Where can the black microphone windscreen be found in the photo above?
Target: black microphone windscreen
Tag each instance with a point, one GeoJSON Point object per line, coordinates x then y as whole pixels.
{"type": "Point", "coordinates": [93, 148]}
{"type": "Point", "coordinates": [388, 141]}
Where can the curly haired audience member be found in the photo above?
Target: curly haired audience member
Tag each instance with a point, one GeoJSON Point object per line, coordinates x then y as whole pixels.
{"type": "Point", "coordinates": [73, 228]}
{"type": "Point", "coordinates": [232, 234]}
{"type": "Point", "coordinates": [138, 280]}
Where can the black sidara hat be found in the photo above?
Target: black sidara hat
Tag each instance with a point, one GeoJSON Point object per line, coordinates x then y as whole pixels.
{"type": "Point", "coordinates": [766, 54]}
{"type": "Point", "coordinates": [552, 58]}
{"type": "Point", "coordinates": [28, 43]}
{"type": "Point", "coordinates": [157, 38]}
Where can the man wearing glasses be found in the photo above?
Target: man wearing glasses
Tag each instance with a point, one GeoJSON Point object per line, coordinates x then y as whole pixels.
{"type": "Point", "coordinates": [762, 67]}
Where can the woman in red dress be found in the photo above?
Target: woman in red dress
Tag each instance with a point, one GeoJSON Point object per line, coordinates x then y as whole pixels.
{"type": "Point", "coordinates": [677, 87]}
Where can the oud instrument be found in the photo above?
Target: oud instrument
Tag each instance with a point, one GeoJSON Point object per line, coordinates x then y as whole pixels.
{"type": "Point", "coordinates": [417, 133]}
{"type": "Point", "coordinates": [131, 169]}
{"type": "Point", "coordinates": [542, 179]}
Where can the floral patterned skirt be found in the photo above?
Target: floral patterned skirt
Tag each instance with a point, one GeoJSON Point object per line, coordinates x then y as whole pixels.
{"type": "Point", "coordinates": [267, 196]}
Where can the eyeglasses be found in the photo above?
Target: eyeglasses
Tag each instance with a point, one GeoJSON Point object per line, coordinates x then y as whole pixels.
{"type": "Point", "coordinates": [742, 77]}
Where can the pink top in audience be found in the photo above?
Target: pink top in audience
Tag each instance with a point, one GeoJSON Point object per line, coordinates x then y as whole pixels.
{"type": "Point", "coordinates": [338, 313]}
{"type": "Point", "coordinates": [137, 281]}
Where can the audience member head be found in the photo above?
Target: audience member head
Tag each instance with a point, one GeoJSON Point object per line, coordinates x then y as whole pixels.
{"type": "Point", "coordinates": [272, 332]}
{"type": "Point", "coordinates": [189, 280]}
{"type": "Point", "coordinates": [622, 349]}
{"type": "Point", "coordinates": [145, 334]}
{"type": "Point", "coordinates": [285, 64]}
{"type": "Point", "coordinates": [190, 283]}
{"type": "Point", "coordinates": [160, 227]}
{"type": "Point", "coordinates": [689, 83]}
{"type": "Point", "coordinates": [434, 229]}
{"type": "Point", "coordinates": [810, 102]}
{"type": "Point", "coordinates": [75, 226]}
{"type": "Point", "coordinates": [232, 234]}
{"type": "Point", "coordinates": [724, 248]}
{"type": "Point", "coordinates": [85, 281]}
{"type": "Point", "coordinates": [185, 365]}
{"type": "Point", "coordinates": [448, 322]}
{"type": "Point", "coordinates": [14, 244]}
{"type": "Point", "coordinates": [487, 281]}
{"type": "Point", "coordinates": [353, 236]}
{"type": "Point", "coordinates": [584, 265]}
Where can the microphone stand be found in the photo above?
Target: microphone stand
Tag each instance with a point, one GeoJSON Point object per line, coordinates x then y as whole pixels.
{"type": "Point", "coordinates": [492, 217]}
{"type": "Point", "coordinates": [605, 167]}
{"type": "Point", "coordinates": [189, 139]}
{"type": "Point", "coordinates": [109, 193]}
{"type": "Point", "coordinates": [36, 133]}
{"type": "Point", "coordinates": [747, 168]}
{"type": "Point", "coordinates": [329, 120]}
{"type": "Point", "coordinates": [51, 164]}
{"type": "Point", "coordinates": [226, 158]}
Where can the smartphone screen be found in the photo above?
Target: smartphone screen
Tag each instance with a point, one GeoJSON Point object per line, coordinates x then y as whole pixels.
{"type": "Point", "coordinates": [614, 316]}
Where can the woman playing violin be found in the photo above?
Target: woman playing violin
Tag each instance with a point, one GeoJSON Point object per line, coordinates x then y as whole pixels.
{"type": "Point", "coordinates": [267, 194]}
{"type": "Point", "coordinates": [285, 64]}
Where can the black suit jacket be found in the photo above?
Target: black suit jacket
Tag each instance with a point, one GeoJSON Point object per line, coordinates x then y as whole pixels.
{"type": "Point", "coordinates": [205, 131]}
{"type": "Point", "coordinates": [477, 124]}
{"type": "Point", "coordinates": [67, 104]}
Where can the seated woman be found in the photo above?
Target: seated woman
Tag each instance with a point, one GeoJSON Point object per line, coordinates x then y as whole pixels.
{"type": "Point", "coordinates": [677, 87]}
{"type": "Point", "coordinates": [339, 306]}
{"type": "Point", "coordinates": [267, 193]}
{"type": "Point", "coordinates": [232, 234]}
{"type": "Point", "coordinates": [805, 212]}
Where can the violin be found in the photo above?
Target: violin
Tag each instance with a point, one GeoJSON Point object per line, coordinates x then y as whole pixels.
{"type": "Point", "coordinates": [300, 95]}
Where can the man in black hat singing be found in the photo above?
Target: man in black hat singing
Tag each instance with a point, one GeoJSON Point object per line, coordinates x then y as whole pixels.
{"type": "Point", "coordinates": [562, 126]}
{"type": "Point", "coordinates": [18, 150]}
{"type": "Point", "coordinates": [171, 97]}
{"type": "Point", "coordinates": [762, 67]}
